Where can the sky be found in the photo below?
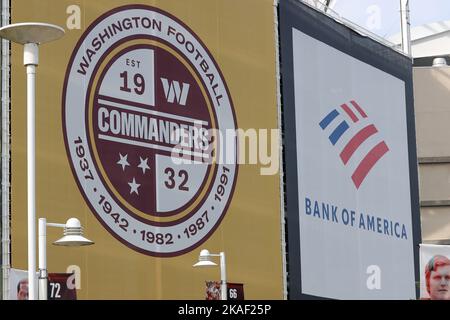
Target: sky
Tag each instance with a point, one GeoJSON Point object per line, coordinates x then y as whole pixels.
{"type": "Point", "coordinates": [382, 17]}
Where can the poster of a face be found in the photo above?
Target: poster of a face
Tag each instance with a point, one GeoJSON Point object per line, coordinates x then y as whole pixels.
{"type": "Point", "coordinates": [435, 272]}
{"type": "Point", "coordinates": [18, 284]}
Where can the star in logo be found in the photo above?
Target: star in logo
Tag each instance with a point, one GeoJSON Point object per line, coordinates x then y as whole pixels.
{"type": "Point", "coordinates": [134, 186]}
{"type": "Point", "coordinates": [143, 165]}
{"type": "Point", "coordinates": [123, 161]}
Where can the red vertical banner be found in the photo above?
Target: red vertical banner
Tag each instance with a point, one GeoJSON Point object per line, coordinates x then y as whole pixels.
{"type": "Point", "coordinates": [61, 286]}
{"type": "Point", "coordinates": [235, 291]}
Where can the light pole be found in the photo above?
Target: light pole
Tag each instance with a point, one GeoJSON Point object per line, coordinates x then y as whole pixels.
{"type": "Point", "coordinates": [73, 236]}
{"type": "Point", "coordinates": [31, 35]}
{"type": "Point", "coordinates": [406, 26]}
{"type": "Point", "coordinates": [204, 260]}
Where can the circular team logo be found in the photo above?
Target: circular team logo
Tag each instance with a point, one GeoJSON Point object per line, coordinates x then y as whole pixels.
{"type": "Point", "coordinates": [145, 113]}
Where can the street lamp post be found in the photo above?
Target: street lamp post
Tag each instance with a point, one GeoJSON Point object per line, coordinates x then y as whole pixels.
{"type": "Point", "coordinates": [73, 236]}
{"type": "Point", "coordinates": [204, 260]}
{"type": "Point", "coordinates": [406, 26]}
{"type": "Point", "coordinates": [31, 35]}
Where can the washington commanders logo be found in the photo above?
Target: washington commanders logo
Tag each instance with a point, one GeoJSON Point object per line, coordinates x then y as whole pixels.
{"type": "Point", "coordinates": [144, 103]}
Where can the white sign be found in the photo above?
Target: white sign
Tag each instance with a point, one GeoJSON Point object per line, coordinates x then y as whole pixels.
{"type": "Point", "coordinates": [354, 199]}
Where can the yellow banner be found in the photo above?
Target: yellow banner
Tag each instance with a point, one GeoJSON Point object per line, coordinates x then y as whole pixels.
{"type": "Point", "coordinates": [138, 110]}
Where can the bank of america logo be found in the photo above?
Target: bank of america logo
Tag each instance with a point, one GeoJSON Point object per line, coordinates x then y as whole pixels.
{"type": "Point", "coordinates": [339, 126]}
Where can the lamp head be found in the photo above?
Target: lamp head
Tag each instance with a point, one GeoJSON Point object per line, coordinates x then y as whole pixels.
{"type": "Point", "coordinates": [204, 259]}
{"type": "Point", "coordinates": [73, 235]}
{"type": "Point", "coordinates": [31, 32]}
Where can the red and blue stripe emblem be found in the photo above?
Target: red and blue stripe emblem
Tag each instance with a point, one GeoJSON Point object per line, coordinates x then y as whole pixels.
{"type": "Point", "coordinates": [354, 113]}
